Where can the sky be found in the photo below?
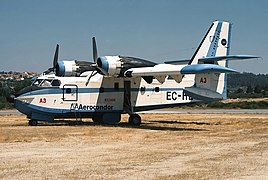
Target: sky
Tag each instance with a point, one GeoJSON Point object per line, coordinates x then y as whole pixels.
{"type": "Point", "coordinates": [156, 30]}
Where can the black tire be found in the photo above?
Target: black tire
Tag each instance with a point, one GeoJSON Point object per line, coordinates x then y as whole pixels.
{"type": "Point", "coordinates": [33, 122]}
{"type": "Point", "coordinates": [134, 120]}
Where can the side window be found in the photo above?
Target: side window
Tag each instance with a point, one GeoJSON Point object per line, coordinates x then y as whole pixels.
{"type": "Point", "coordinates": [142, 89]}
{"type": "Point", "coordinates": [68, 90]}
{"type": "Point", "coordinates": [156, 89]}
{"type": "Point", "coordinates": [116, 86]}
{"type": "Point", "coordinates": [55, 82]}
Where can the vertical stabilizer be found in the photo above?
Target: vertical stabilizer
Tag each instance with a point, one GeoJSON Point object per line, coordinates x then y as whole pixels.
{"type": "Point", "coordinates": [215, 43]}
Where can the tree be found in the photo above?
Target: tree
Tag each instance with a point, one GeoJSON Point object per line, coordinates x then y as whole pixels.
{"type": "Point", "coordinates": [240, 90]}
{"type": "Point", "coordinates": [249, 89]}
{"type": "Point", "coordinates": [257, 89]}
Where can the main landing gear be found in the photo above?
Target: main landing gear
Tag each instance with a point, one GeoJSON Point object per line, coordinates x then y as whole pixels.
{"type": "Point", "coordinates": [134, 119]}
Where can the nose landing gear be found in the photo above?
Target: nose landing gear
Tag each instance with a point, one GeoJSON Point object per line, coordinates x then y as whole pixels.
{"type": "Point", "coordinates": [33, 122]}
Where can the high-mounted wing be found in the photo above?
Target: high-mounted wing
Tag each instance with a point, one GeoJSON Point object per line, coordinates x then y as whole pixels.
{"type": "Point", "coordinates": [160, 71]}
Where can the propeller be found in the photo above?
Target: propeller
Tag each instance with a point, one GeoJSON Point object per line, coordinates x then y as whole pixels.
{"type": "Point", "coordinates": [93, 65]}
{"type": "Point", "coordinates": [95, 51]}
{"type": "Point", "coordinates": [56, 56]}
{"type": "Point", "coordinates": [95, 57]}
{"type": "Point", "coordinates": [55, 61]}
{"type": "Point", "coordinates": [96, 63]}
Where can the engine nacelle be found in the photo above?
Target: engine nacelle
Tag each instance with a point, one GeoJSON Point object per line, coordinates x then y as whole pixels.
{"type": "Point", "coordinates": [110, 65]}
{"type": "Point", "coordinates": [73, 68]}
{"type": "Point", "coordinates": [66, 68]}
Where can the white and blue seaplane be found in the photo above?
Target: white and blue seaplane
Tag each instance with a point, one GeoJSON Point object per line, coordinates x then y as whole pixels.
{"type": "Point", "coordinates": [114, 85]}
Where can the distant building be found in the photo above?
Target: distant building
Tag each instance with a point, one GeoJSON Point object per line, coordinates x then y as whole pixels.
{"type": "Point", "coordinates": [18, 76]}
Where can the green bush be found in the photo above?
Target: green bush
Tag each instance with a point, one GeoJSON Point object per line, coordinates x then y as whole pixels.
{"type": "Point", "coordinates": [240, 105]}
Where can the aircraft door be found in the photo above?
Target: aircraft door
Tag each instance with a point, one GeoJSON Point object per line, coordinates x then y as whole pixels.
{"type": "Point", "coordinates": [127, 96]}
{"type": "Point", "coordinates": [70, 92]}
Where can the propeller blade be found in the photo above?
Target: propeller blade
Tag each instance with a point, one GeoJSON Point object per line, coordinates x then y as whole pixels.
{"type": "Point", "coordinates": [56, 56]}
{"type": "Point", "coordinates": [95, 51]}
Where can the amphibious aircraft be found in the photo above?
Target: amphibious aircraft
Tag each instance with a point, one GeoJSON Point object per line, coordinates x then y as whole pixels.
{"type": "Point", "coordinates": [113, 85]}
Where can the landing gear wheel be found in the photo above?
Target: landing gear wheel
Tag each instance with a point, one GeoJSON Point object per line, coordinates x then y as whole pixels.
{"type": "Point", "coordinates": [134, 119]}
{"type": "Point", "coordinates": [33, 122]}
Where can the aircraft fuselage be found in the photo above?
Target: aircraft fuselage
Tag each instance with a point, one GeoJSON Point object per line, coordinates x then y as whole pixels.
{"type": "Point", "coordinates": [52, 97]}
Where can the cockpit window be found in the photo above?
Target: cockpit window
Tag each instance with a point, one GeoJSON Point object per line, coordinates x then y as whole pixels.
{"type": "Point", "coordinates": [46, 82]}
{"type": "Point", "coordinates": [37, 82]}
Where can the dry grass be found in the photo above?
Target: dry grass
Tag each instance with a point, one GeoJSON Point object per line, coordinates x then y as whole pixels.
{"type": "Point", "coordinates": [245, 100]}
{"type": "Point", "coordinates": [175, 146]}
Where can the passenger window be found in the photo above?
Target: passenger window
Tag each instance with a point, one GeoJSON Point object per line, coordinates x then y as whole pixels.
{"type": "Point", "coordinates": [68, 90]}
{"type": "Point", "coordinates": [142, 89]}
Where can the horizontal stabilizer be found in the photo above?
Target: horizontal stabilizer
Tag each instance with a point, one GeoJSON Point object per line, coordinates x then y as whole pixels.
{"type": "Point", "coordinates": [205, 68]}
{"type": "Point", "coordinates": [229, 57]}
{"type": "Point", "coordinates": [202, 94]}
{"type": "Point", "coordinates": [213, 58]}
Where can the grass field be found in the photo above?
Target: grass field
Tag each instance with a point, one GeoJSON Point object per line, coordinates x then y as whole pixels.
{"type": "Point", "coordinates": [175, 146]}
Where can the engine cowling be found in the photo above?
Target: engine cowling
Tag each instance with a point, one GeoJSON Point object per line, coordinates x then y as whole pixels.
{"type": "Point", "coordinates": [117, 65]}
{"type": "Point", "coordinates": [66, 68]}
{"type": "Point", "coordinates": [110, 65]}
{"type": "Point", "coordinates": [72, 68]}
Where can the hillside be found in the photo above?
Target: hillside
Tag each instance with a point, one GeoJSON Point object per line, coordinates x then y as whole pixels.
{"type": "Point", "coordinates": [247, 85]}
{"type": "Point", "coordinates": [247, 79]}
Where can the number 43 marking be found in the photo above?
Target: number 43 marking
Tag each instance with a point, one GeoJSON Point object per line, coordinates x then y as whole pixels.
{"type": "Point", "coordinates": [43, 100]}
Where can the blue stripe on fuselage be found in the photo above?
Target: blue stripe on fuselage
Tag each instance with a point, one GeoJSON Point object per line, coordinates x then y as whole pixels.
{"type": "Point", "coordinates": [93, 90]}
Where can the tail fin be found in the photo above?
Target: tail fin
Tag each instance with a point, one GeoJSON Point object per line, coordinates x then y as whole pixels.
{"type": "Point", "coordinates": [215, 43]}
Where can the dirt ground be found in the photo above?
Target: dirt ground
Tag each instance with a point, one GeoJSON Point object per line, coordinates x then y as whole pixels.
{"type": "Point", "coordinates": [176, 146]}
